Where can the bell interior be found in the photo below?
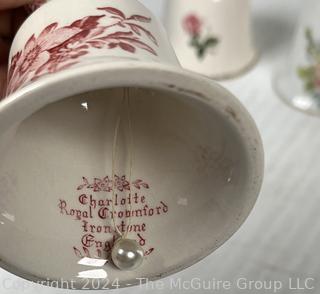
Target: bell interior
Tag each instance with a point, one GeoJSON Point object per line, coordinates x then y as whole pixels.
{"type": "Point", "coordinates": [187, 188]}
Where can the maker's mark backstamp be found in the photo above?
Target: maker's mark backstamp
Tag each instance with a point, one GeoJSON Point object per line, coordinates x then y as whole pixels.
{"type": "Point", "coordinates": [93, 210]}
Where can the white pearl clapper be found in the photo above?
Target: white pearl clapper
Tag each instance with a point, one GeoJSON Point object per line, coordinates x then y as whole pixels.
{"type": "Point", "coordinates": [127, 254]}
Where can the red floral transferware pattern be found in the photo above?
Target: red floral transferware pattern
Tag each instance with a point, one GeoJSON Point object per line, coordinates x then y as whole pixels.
{"type": "Point", "coordinates": [57, 48]}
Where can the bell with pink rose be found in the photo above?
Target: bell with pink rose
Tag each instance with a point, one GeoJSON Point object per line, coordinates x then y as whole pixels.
{"type": "Point", "coordinates": [212, 38]}
{"type": "Point", "coordinates": [297, 78]}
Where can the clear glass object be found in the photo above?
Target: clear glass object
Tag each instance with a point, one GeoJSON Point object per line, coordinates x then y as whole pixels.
{"type": "Point", "coordinates": [297, 81]}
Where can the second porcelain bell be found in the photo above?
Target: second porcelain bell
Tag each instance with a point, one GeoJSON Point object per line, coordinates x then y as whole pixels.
{"type": "Point", "coordinates": [211, 37]}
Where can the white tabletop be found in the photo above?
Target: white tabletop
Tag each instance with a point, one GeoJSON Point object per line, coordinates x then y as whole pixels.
{"type": "Point", "coordinates": [280, 239]}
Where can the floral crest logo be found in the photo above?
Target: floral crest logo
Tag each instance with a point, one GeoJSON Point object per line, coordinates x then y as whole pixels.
{"type": "Point", "coordinates": [105, 184]}
{"type": "Point", "coordinates": [94, 207]}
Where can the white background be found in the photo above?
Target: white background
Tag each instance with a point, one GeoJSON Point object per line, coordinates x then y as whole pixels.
{"type": "Point", "coordinates": [281, 237]}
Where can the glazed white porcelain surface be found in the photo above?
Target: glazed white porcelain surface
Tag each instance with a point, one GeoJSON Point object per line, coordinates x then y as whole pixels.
{"type": "Point", "coordinates": [223, 25]}
{"type": "Point", "coordinates": [197, 154]}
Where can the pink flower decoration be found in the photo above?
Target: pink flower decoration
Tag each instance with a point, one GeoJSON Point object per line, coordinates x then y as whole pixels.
{"type": "Point", "coordinates": [192, 24]}
{"type": "Point", "coordinates": [36, 53]}
{"type": "Point", "coordinates": [58, 48]}
{"type": "Point", "coordinates": [99, 185]}
{"type": "Point", "coordinates": [121, 183]}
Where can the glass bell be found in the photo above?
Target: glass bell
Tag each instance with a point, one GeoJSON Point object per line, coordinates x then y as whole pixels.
{"type": "Point", "coordinates": [297, 82]}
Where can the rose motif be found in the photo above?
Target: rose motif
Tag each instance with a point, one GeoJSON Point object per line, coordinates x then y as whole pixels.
{"type": "Point", "coordinates": [192, 25]}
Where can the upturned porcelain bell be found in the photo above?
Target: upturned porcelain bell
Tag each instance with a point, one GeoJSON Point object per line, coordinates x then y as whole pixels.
{"type": "Point", "coordinates": [105, 139]}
